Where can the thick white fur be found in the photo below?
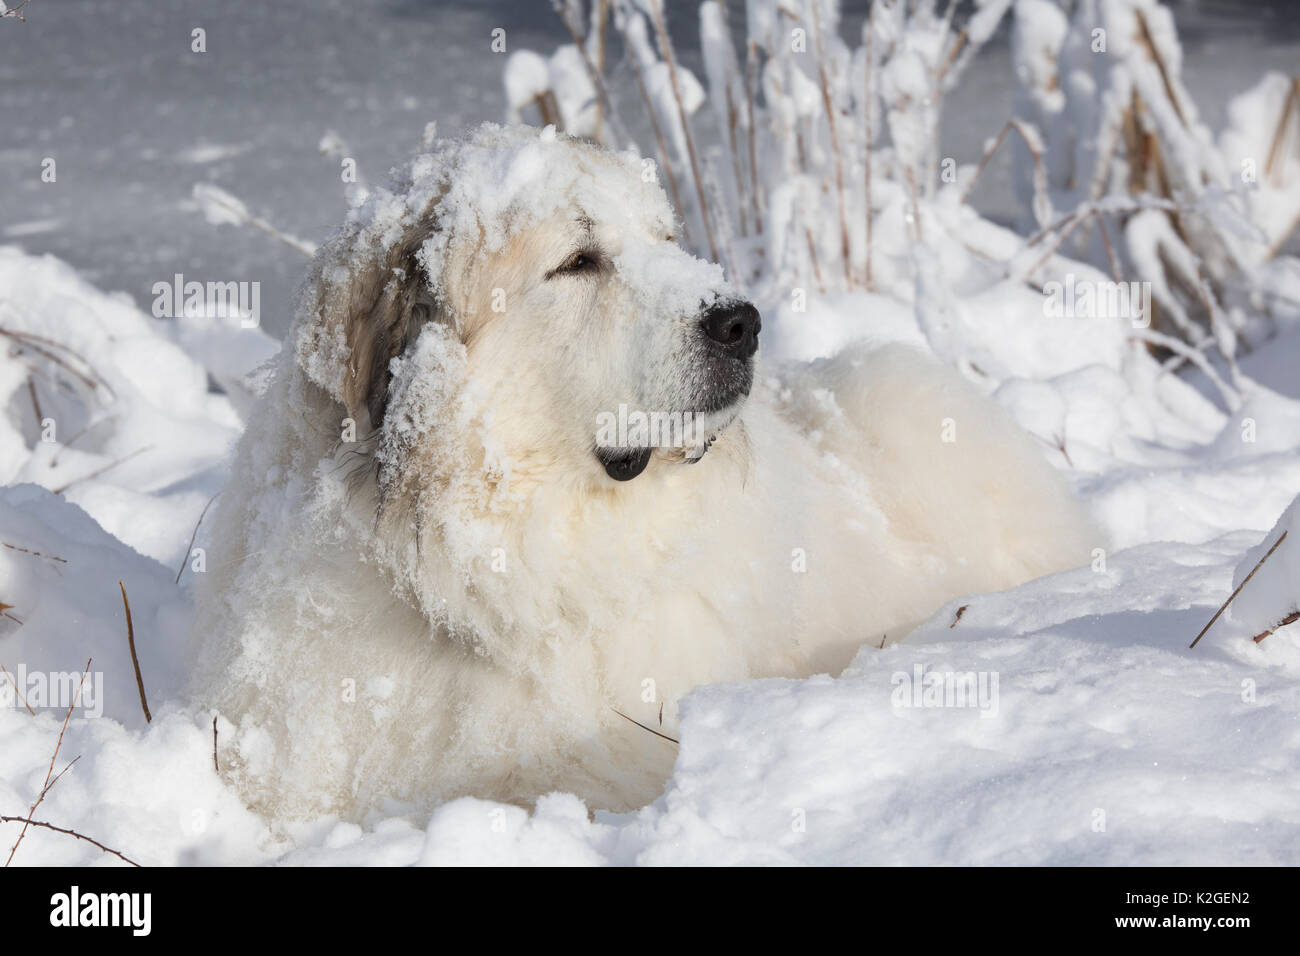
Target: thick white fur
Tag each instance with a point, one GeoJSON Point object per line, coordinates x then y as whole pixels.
{"type": "Point", "coordinates": [463, 602]}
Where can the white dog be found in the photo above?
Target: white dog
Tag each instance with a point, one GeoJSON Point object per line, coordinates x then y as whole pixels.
{"type": "Point", "coordinates": [517, 480]}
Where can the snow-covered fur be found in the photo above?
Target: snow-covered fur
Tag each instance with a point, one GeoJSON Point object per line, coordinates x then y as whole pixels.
{"type": "Point", "coordinates": [426, 580]}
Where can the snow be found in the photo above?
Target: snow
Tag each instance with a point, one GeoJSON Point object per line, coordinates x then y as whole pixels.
{"type": "Point", "coordinates": [130, 425]}
{"type": "Point", "coordinates": [1246, 141]}
{"type": "Point", "coordinates": [1101, 711]}
{"type": "Point", "coordinates": [1104, 739]}
{"type": "Point", "coordinates": [527, 76]}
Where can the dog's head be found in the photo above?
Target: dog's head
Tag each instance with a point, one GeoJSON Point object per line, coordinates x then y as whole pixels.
{"type": "Point", "coordinates": [543, 277]}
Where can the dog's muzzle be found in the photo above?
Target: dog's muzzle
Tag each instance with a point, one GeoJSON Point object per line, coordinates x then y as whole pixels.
{"type": "Point", "coordinates": [729, 338]}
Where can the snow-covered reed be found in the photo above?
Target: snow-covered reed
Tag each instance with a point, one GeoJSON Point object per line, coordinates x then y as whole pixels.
{"type": "Point", "coordinates": [808, 158]}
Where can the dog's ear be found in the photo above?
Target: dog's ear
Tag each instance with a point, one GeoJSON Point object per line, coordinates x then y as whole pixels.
{"type": "Point", "coordinates": [365, 301]}
{"type": "Point", "coordinates": [386, 311]}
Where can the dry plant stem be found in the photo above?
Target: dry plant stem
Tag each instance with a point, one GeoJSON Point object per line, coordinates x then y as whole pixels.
{"type": "Point", "coordinates": [1067, 225]}
{"type": "Point", "coordinates": [1217, 323]}
{"type": "Point", "coordinates": [35, 372]}
{"type": "Point", "coordinates": [17, 691]}
{"type": "Point", "coordinates": [1149, 173]}
{"type": "Point", "coordinates": [1114, 205]}
{"type": "Point", "coordinates": [1231, 398]}
{"type": "Point", "coordinates": [54, 459]}
{"type": "Point", "coordinates": [666, 50]}
{"type": "Point", "coordinates": [644, 727]}
{"type": "Point", "coordinates": [1144, 33]}
{"type": "Point", "coordinates": [984, 161]}
{"type": "Point", "coordinates": [812, 257]}
{"type": "Point", "coordinates": [1060, 241]}
{"type": "Point", "coordinates": [36, 402]}
{"type": "Point", "coordinates": [72, 833]}
{"type": "Point", "coordinates": [32, 337]}
{"type": "Point", "coordinates": [1110, 250]}
{"type": "Point", "coordinates": [1290, 109]}
{"type": "Point", "coordinates": [15, 12]}
{"type": "Point", "coordinates": [50, 785]}
{"type": "Point", "coordinates": [949, 11]}
{"type": "Point", "coordinates": [1039, 172]}
{"type": "Point", "coordinates": [1289, 619]}
{"type": "Point", "coordinates": [733, 120]}
{"type": "Point", "coordinates": [598, 28]}
{"type": "Point", "coordinates": [958, 45]}
{"type": "Point", "coordinates": [751, 83]}
{"type": "Point", "coordinates": [845, 252]}
{"type": "Point", "coordinates": [216, 766]}
{"type": "Point", "coordinates": [916, 203]}
{"type": "Point", "coordinates": [869, 43]}
{"type": "Point", "coordinates": [597, 80]}
{"type": "Point", "coordinates": [548, 110]}
{"type": "Point", "coordinates": [1274, 249]}
{"type": "Point", "coordinates": [715, 191]}
{"type": "Point", "coordinates": [660, 143]}
{"type": "Point", "coordinates": [297, 245]}
{"type": "Point", "coordinates": [262, 225]}
{"type": "Point", "coordinates": [1186, 282]}
{"type": "Point", "coordinates": [99, 471]}
{"type": "Point", "coordinates": [44, 347]}
{"type": "Point", "coordinates": [1102, 174]}
{"type": "Point", "coordinates": [1084, 209]}
{"type": "Point", "coordinates": [193, 536]}
{"type": "Point", "coordinates": [45, 787]}
{"type": "Point", "coordinates": [801, 151]}
{"type": "Point", "coordinates": [1175, 362]}
{"type": "Point", "coordinates": [737, 166]}
{"type": "Point", "coordinates": [35, 554]}
{"type": "Point", "coordinates": [1224, 606]}
{"type": "Point", "coordinates": [788, 133]}
{"type": "Point", "coordinates": [135, 661]}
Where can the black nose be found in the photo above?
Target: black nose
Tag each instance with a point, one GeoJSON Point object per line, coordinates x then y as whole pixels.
{"type": "Point", "coordinates": [732, 327]}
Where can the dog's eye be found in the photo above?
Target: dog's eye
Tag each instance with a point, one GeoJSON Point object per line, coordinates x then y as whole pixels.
{"type": "Point", "coordinates": [580, 262]}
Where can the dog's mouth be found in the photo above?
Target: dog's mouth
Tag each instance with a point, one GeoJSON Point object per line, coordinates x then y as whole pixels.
{"type": "Point", "coordinates": [686, 439]}
{"type": "Point", "coordinates": [624, 464]}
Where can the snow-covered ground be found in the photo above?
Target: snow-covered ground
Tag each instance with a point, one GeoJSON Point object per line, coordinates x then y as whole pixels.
{"type": "Point", "coordinates": [1094, 734]}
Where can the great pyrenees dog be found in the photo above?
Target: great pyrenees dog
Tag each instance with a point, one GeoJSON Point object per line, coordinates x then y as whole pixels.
{"type": "Point", "coordinates": [519, 482]}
